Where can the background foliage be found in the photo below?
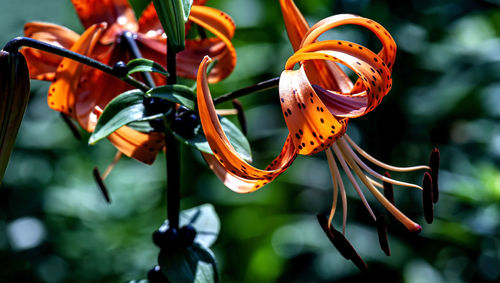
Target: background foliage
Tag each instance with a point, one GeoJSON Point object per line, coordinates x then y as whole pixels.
{"type": "Point", "coordinates": [56, 227]}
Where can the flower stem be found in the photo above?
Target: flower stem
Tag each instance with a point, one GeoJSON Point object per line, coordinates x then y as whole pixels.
{"type": "Point", "coordinates": [18, 42]}
{"type": "Point", "coordinates": [247, 90]}
{"type": "Point", "coordinates": [171, 64]}
{"type": "Point", "coordinates": [129, 41]}
{"type": "Point", "coordinates": [173, 158]}
{"type": "Point", "coordinates": [172, 153]}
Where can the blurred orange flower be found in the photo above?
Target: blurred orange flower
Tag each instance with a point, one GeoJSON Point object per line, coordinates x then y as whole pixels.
{"type": "Point", "coordinates": [82, 92]}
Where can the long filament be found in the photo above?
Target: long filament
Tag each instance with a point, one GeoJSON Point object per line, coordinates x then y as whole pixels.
{"type": "Point", "coordinates": [407, 222]}
{"type": "Point", "coordinates": [331, 163]}
{"type": "Point", "coordinates": [382, 164]}
{"type": "Point", "coordinates": [118, 155]}
{"type": "Point", "coordinates": [226, 112]}
{"type": "Point", "coordinates": [377, 184]}
{"type": "Point", "coordinates": [342, 144]}
{"type": "Point", "coordinates": [342, 194]}
{"type": "Point", "coordinates": [342, 161]}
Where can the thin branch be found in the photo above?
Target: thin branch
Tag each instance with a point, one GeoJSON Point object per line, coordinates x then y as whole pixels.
{"type": "Point", "coordinates": [18, 42]}
{"type": "Point", "coordinates": [247, 90]}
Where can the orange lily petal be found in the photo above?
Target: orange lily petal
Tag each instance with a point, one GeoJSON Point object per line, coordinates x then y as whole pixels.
{"type": "Point", "coordinates": [324, 73]}
{"type": "Point", "coordinates": [63, 90]}
{"type": "Point", "coordinates": [149, 20]}
{"type": "Point", "coordinates": [233, 182]}
{"type": "Point", "coordinates": [116, 13]}
{"type": "Point", "coordinates": [313, 127]}
{"type": "Point", "coordinates": [96, 89]}
{"type": "Point", "coordinates": [374, 75]}
{"type": "Point", "coordinates": [43, 65]}
{"type": "Point", "coordinates": [140, 146]}
{"type": "Point", "coordinates": [153, 45]}
{"type": "Point", "coordinates": [199, 2]}
{"type": "Point", "coordinates": [249, 178]}
{"type": "Point", "coordinates": [296, 25]}
{"type": "Point", "coordinates": [222, 26]}
{"type": "Point", "coordinates": [388, 52]}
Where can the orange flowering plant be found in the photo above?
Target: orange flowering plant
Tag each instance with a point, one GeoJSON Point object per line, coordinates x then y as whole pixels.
{"type": "Point", "coordinates": [317, 101]}
{"type": "Point", "coordinates": [119, 80]}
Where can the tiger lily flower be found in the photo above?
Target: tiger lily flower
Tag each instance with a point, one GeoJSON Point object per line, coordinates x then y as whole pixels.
{"type": "Point", "coordinates": [317, 101]}
{"type": "Point", "coordinates": [81, 92]}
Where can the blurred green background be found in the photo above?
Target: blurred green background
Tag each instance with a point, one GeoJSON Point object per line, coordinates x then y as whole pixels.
{"type": "Point", "coordinates": [56, 227]}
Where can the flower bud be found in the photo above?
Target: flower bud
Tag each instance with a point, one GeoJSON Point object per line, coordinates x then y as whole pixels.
{"type": "Point", "coordinates": [173, 15]}
{"type": "Point", "coordinates": [14, 95]}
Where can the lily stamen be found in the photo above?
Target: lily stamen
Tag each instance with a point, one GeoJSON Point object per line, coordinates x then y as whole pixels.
{"type": "Point", "coordinates": [382, 235]}
{"type": "Point", "coordinates": [382, 164]}
{"type": "Point", "coordinates": [388, 190]}
{"type": "Point", "coordinates": [101, 185]}
{"type": "Point", "coordinates": [345, 147]}
{"type": "Point", "coordinates": [428, 198]}
{"type": "Point", "coordinates": [337, 180]}
{"type": "Point", "coordinates": [408, 223]}
{"type": "Point", "coordinates": [377, 184]}
{"type": "Point", "coordinates": [110, 167]}
{"type": "Point", "coordinates": [434, 166]}
{"type": "Point", "coordinates": [226, 112]}
{"type": "Point", "coordinates": [343, 163]}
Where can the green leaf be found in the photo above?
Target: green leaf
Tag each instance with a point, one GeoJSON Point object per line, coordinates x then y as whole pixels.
{"type": "Point", "coordinates": [204, 219]}
{"type": "Point", "coordinates": [204, 273]}
{"type": "Point", "coordinates": [181, 265]}
{"type": "Point", "coordinates": [145, 65]}
{"type": "Point", "coordinates": [141, 126]}
{"type": "Point", "coordinates": [173, 15]}
{"type": "Point", "coordinates": [126, 108]}
{"type": "Point", "coordinates": [176, 93]}
{"type": "Point", "coordinates": [235, 136]}
{"type": "Point", "coordinates": [186, 4]}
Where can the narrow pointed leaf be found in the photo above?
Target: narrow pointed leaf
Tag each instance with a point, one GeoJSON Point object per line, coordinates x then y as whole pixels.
{"type": "Point", "coordinates": [236, 137]}
{"type": "Point", "coordinates": [126, 108]}
{"type": "Point", "coordinates": [145, 65]}
{"type": "Point", "coordinates": [204, 273]}
{"type": "Point", "coordinates": [175, 93]}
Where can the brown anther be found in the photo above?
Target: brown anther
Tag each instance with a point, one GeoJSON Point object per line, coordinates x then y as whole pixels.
{"type": "Point", "coordinates": [72, 127]}
{"type": "Point", "coordinates": [101, 185]}
{"type": "Point", "coordinates": [241, 115]}
{"type": "Point", "coordinates": [427, 198]}
{"type": "Point", "coordinates": [382, 235]}
{"type": "Point", "coordinates": [434, 164]}
{"type": "Point", "coordinates": [341, 243]}
{"type": "Point", "coordinates": [388, 191]}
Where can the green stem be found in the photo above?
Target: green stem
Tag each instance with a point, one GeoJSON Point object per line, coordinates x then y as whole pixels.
{"type": "Point", "coordinates": [171, 64]}
{"type": "Point", "coordinates": [274, 82]}
{"type": "Point", "coordinates": [172, 154]}
{"type": "Point", "coordinates": [173, 158]}
{"type": "Point", "coordinates": [18, 42]}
